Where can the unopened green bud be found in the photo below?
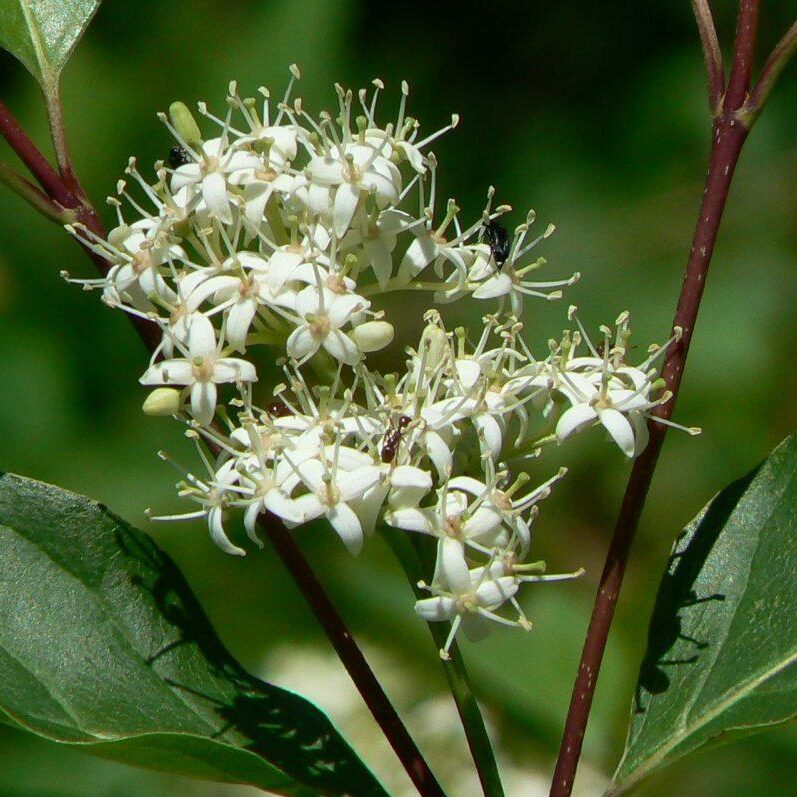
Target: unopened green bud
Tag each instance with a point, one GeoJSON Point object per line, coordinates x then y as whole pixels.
{"type": "Point", "coordinates": [185, 124]}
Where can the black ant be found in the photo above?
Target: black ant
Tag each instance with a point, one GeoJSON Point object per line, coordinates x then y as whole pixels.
{"type": "Point", "coordinates": [179, 156]}
{"type": "Point", "coordinates": [498, 238]}
{"type": "Point", "coordinates": [393, 438]}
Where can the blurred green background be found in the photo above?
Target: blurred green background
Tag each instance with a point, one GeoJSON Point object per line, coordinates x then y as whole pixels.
{"type": "Point", "coordinates": [595, 115]}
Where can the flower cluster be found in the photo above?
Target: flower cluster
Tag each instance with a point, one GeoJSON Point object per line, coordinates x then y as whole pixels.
{"type": "Point", "coordinates": [291, 232]}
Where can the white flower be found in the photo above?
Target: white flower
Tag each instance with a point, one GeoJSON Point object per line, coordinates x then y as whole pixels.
{"type": "Point", "coordinates": [322, 313]}
{"type": "Point", "coordinates": [219, 166]}
{"type": "Point", "coordinates": [203, 368]}
{"type": "Point", "coordinates": [472, 522]}
{"type": "Point", "coordinates": [468, 597]}
{"type": "Point", "coordinates": [331, 490]}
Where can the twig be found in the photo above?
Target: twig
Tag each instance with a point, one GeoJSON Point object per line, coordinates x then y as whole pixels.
{"type": "Point", "coordinates": [351, 656]}
{"type": "Point", "coordinates": [729, 132]}
{"type": "Point", "coordinates": [34, 196]}
{"type": "Point", "coordinates": [712, 55]}
{"type": "Point", "coordinates": [37, 164]}
{"type": "Point", "coordinates": [778, 59]}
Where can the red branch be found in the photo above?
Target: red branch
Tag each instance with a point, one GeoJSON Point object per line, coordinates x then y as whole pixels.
{"type": "Point", "coordinates": [729, 133]}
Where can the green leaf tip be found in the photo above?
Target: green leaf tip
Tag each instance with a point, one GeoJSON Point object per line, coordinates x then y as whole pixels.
{"type": "Point", "coordinates": [42, 34]}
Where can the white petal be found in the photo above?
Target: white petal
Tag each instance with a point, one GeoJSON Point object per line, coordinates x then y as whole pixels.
{"type": "Point", "coordinates": [419, 254]}
{"type": "Point", "coordinates": [312, 472]}
{"type": "Point", "coordinates": [325, 171]}
{"type": "Point", "coordinates": [573, 419]}
{"type": "Point", "coordinates": [214, 192]}
{"type": "Point", "coordinates": [355, 483]}
{"type": "Point", "coordinates": [206, 289]}
{"type": "Point", "coordinates": [483, 523]}
{"type": "Point", "coordinates": [497, 285]}
{"type": "Point", "coordinates": [346, 198]}
{"type": "Point", "coordinates": [308, 300]}
{"type": "Point", "coordinates": [451, 567]}
{"type": "Point", "coordinates": [319, 199]}
{"type": "Point", "coordinates": [301, 343]}
{"type": "Point", "coordinates": [256, 196]}
{"type": "Point", "coordinates": [468, 484]}
{"type": "Point", "coordinates": [239, 319]}
{"type": "Point", "coordinates": [468, 372]}
{"type": "Point", "coordinates": [280, 267]}
{"type": "Point", "coordinates": [341, 308]}
{"type": "Point", "coordinates": [413, 155]}
{"type": "Point", "coordinates": [250, 521]}
{"type": "Point", "coordinates": [436, 609]}
{"type": "Point", "coordinates": [617, 425]}
{"type": "Point", "coordinates": [203, 402]}
{"type": "Point", "coordinates": [492, 593]}
{"type": "Point", "coordinates": [439, 453]}
{"type": "Point", "coordinates": [410, 476]}
{"type": "Point", "coordinates": [378, 254]}
{"type": "Point", "coordinates": [341, 347]}
{"type": "Point", "coordinates": [421, 520]}
{"type": "Point", "coordinates": [280, 505]}
{"type": "Point", "coordinates": [493, 436]}
{"type": "Point", "coordinates": [233, 369]}
{"type": "Point", "coordinates": [169, 372]}
{"type": "Point", "coordinates": [346, 523]}
{"type": "Point", "coordinates": [201, 337]}
{"type": "Point", "coordinates": [217, 533]}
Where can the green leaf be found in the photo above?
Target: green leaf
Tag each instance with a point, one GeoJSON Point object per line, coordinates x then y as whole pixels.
{"type": "Point", "coordinates": [722, 644]}
{"type": "Point", "coordinates": [103, 645]}
{"type": "Point", "coordinates": [43, 33]}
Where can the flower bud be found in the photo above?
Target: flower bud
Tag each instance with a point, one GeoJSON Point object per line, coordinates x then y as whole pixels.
{"type": "Point", "coordinates": [185, 124]}
{"type": "Point", "coordinates": [163, 401]}
{"type": "Point", "coordinates": [435, 343]}
{"type": "Point", "coordinates": [373, 335]}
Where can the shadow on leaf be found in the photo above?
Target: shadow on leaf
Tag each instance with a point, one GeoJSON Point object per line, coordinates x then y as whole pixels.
{"type": "Point", "coordinates": [677, 595]}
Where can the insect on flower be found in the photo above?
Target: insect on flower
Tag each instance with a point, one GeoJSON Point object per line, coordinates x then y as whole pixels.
{"type": "Point", "coordinates": [392, 438]}
{"type": "Point", "coordinates": [178, 156]}
{"type": "Point", "coordinates": [278, 409]}
{"type": "Point", "coordinates": [498, 239]}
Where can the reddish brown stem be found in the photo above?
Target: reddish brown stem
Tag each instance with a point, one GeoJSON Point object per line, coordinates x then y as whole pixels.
{"type": "Point", "coordinates": [729, 133]}
{"type": "Point", "coordinates": [351, 656]}
{"type": "Point", "coordinates": [37, 164]}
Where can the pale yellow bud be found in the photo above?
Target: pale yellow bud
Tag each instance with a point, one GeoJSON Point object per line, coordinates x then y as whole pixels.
{"type": "Point", "coordinates": [163, 401]}
{"type": "Point", "coordinates": [435, 343]}
{"type": "Point", "coordinates": [373, 335]}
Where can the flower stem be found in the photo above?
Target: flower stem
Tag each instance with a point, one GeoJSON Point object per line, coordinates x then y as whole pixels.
{"type": "Point", "coordinates": [415, 560]}
{"type": "Point", "coordinates": [729, 132]}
